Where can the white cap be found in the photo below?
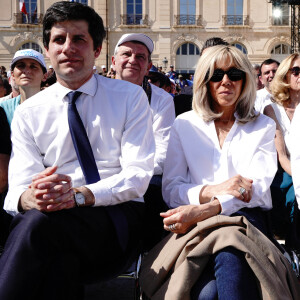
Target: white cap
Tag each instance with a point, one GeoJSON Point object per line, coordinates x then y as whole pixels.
{"type": "Point", "coordinates": [103, 66]}
{"type": "Point", "coordinates": [29, 53]}
{"type": "Point", "coordinates": [138, 37]}
{"type": "Point", "coordinates": [94, 68]}
{"type": "Point", "coordinates": [50, 67]}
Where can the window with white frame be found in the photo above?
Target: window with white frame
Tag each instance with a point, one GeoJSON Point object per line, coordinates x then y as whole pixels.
{"type": "Point", "coordinates": [234, 12]}
{"type": "Point", "coordinates": [280, 14]}
{"type": "Point", "coordinates": [187, 10]}
{"type": "Point", "coordinates": [240, 47]}
{"type": "Point", "coordinates": [280, 52]}
{"type": "Point", "coordinates": [29, 12]}
{"type": "Point", "coordinates": [31, 45]}
{"type": "Point", "coordinates": [134, 12]}
{"type": "Point", "coordinates": [187, 56]}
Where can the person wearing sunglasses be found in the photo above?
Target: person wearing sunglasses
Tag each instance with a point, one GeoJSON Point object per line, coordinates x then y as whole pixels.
{"type": "Point", "coordinates": [221, 160]}
{"type": "Point", "coordinates": [285, 89]}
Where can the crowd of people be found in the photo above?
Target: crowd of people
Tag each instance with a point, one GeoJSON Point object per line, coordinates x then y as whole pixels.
{"type": "Point", "coordinates": [199, 172]}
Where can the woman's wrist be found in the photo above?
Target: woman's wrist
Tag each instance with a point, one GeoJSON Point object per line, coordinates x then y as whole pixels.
{"type": "Point", "coordinates": [205, 195]}
{"type": "Point", "coordinates": [215, 203]}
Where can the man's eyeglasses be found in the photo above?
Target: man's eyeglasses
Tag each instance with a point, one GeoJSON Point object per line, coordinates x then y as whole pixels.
{"type": "Point", "coordinates": [233, 74]}
{"type": "Point", "coordinates": [295, 71]}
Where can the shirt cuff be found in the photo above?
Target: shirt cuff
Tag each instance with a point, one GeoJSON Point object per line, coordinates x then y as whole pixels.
{"type": "Point", "coordinates": [12, 200]}
{"type": "Point", "coordinates": [101, 192]}
{"type": "Point", "coordinates": [193, 194]}
{"type": "Point", "coordinates": [227, 207]}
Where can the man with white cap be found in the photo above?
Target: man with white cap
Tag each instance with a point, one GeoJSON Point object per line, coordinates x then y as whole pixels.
{"type": "Point", "coordinates": [104, 71]}
{"type": "Point", "coordinates": [132, 62]}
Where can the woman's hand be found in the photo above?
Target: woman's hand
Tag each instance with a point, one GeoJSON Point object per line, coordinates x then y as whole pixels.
{"type": "Point", "coordinates": [183, 218]}
{"type": "Point", "coordinates": [231, 186]}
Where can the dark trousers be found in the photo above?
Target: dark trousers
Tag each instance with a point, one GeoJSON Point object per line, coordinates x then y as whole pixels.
{"type": "Point", "coordinates": [227, 274]}
{"type": "Point", "coordinates": [51, 255]}
{"type": "Point", "coordinates": [5, 220]}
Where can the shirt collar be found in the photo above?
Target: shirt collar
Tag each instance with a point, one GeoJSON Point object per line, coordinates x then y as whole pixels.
{"type": "Point", "coordinates": [89, 88]}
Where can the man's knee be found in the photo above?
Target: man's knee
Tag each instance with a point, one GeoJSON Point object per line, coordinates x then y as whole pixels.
{"type": "Point", "coordinates": [31, 223]}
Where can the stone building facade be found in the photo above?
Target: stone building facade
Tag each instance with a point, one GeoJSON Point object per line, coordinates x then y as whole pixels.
{"type": "Point", "coordinates": [178, 28]}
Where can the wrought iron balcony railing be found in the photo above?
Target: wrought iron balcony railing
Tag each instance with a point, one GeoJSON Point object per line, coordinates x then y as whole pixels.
{"type": "Point", "coordinates": [235, 20]}
{"type": "Point", "coordinates": [188, 20]}
{"type": "Point", "coordinates": [134, 19]}
{"type": "Point", "coordinates": [33, 18]}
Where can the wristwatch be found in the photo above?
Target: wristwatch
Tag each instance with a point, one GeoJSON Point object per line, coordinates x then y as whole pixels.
{"type": "Point", "coordinates": [79, 199]}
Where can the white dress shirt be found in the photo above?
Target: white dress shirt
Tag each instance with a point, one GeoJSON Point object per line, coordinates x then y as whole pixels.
{"type": "Point", "coordinates": [163, 110]}
{"type": "Point", "coordinates": [195, 159]}
{"type": "Point", "coordinates": [118, 121]}
{"type": "Point", "coordinates": [263, 98]}
{"type": "Point", "coordinates": [295, 152]}
{"type": "Point", "coordinates": [285, 125]}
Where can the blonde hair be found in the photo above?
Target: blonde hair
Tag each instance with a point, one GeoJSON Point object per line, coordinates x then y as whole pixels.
{"type": "Point", "coordinates": [279, 86]}
{"type": "Point", "coordinates": [202, 101]}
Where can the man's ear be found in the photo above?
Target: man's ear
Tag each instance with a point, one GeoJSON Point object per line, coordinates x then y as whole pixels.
{"type": "Point", "coordinates": [45, 77]}
{"type": "Point", "coordinates": [149, 67]}
{"type": "Point", "coordinates": [259, 77]}
{"type": "Point", "coordinates": [46, 52]}
{"type": "Point", "coordinates": [97, 51]}
{"type": "Point", "coordinates": [113, 62]}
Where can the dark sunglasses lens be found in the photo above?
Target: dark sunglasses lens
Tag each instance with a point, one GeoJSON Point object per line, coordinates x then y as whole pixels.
{"type": "Point", "coordinates": [217, 76]}
{"type": "Point", "coordinates": [296, 71]}
{"type": "Point", "coordinates": [235, 74]}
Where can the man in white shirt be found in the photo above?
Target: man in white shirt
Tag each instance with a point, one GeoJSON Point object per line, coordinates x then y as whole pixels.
{"type": "Point", "coordinates": [268, 69]}
{"type": "Point", "coordinates": [132, 62]}
{"type": "Point", "coordinates": [68, 230]}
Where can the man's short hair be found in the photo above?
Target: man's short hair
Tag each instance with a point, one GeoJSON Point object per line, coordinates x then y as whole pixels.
{"type": "Point", "coordinates": [66, 11]}
{"type": "Point", "coordinates": [158, 77]}
{"type": "Point", "coordinates": [268, 61]}
{"type": "Point", "coordinates": [214, 41]}
{"type": "Point", "coordinates": [6, 85]}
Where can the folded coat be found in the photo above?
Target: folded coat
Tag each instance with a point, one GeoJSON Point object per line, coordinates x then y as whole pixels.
{"type": "Point", "coordinates": [172, 267]}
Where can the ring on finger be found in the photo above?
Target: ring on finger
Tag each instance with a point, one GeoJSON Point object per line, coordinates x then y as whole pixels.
{"type": "Point", "coordinates": [172, 227]}
{"type": "Point", "coordinates": [242, 190]}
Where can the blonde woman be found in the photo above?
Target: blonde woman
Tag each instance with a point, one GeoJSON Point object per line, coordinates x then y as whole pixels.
{"type": "Point", "coordinates": [221, 160]}
{"type": "Point", "coordinates": [285, 89]}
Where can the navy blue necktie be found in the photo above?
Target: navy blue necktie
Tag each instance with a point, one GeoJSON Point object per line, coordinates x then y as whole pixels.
{"type": "Point", "coordinates": [81, 142]}
{"type": "Point", "coordinates": [89, 168]}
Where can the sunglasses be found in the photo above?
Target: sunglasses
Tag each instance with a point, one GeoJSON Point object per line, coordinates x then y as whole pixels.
{"type": "Point", "coordinates": [295, 71]}
{"type": "Point", "coordinates": [233, 74]}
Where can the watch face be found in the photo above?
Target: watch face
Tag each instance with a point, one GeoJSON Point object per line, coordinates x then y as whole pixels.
{"type": "Point", "coordinates": [80, 199]}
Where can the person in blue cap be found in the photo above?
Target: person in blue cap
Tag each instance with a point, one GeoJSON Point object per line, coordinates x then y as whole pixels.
{"type": "Point", "coordinates": [28, 70]}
